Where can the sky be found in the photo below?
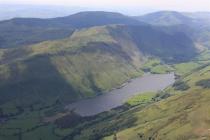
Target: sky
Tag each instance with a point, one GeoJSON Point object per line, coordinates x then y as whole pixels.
{"type": "Point", "coordinates": [150, 5]}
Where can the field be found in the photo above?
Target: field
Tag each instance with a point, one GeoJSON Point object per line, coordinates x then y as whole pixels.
{"type": "Point", "coordinates": [155, 66]}
{"type": "Point", "coordinates": [184, 115]}
{"type": "Point", "coordinates": [140, 99]}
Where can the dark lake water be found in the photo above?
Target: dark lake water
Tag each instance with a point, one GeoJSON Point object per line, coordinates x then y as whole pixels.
{"type": "Point", "coordinates": [116, 97]}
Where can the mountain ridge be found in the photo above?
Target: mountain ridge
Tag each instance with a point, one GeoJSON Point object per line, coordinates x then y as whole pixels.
{"type": "Point", "coordinates": [25, 31]}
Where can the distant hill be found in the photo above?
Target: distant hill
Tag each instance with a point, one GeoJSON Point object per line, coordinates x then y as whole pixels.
{"type": "Point", "coordinates": [25, 31]}
{"type": "Point", "coordinates": [194, 25]}
{"type": "Point", "coordinates": [97, 18]}
{"type": "Point", "coordinates": [198, 15]}
{"type": "Point", "coordinates": [166, 18]}
{"type": "Point", "coordinates": [9, 11]}
{"type": "Point", "coordinates": [78, 20]}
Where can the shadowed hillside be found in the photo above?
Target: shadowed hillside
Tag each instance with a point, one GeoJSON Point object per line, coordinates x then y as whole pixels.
{"type": "Point", "coordinates": [173, 46]}
{"type": "Point", "coordinates": [194, 25]}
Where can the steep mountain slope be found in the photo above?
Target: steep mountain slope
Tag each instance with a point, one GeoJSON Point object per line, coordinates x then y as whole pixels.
{"type": "Point", "coordinates": [153, 41]}
{"type": "Point", "coordinates": [90, 61]}
{"type": "Point", "coordinates": [25, 31]}
{"type": "Point", "coordinates": [83, 65]}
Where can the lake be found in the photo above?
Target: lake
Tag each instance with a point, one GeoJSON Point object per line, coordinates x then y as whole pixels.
{"type": "Point", "coordinates": [117, 97]}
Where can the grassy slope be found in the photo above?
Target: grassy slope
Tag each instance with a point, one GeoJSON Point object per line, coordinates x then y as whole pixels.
{"type": "Point", "coordinates": [183, 116]}
{"type": "Point", "coordinates": [155, 66]}
{"type": "Point", "coordinates": [141, 99]}
{"type": "Point", "coordinates": [184, 68]}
